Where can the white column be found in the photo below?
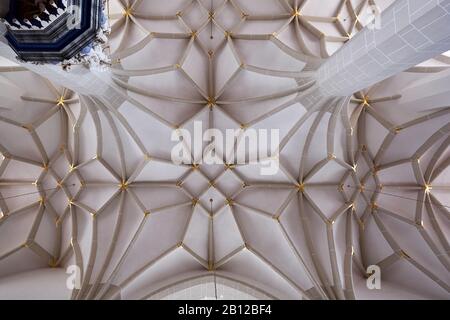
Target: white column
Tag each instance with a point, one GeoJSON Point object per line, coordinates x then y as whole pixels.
{"type": "Point", "coordinates": [79, 78]}
{"type": "Point", "coordinates": [411, 31]}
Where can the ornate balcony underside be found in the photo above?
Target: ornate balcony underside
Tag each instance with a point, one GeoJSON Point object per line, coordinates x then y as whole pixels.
{"type": "Point", "coordinates": [61, 31]}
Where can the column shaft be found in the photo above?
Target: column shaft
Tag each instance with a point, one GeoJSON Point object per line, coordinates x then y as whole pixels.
{"type": "Point", "coordinates": [411, 31]}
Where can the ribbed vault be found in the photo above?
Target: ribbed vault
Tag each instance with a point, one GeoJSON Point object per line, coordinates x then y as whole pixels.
{"type": "Point", "coordinates": [363, 180]}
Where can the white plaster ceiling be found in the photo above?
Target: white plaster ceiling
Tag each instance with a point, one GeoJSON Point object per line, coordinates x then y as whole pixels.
{"type": "Point", "coordinates": [111, 200]}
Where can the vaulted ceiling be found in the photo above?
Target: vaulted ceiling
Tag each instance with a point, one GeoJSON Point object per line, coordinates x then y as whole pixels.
{"type": "Point", "coordinates": [363, 180]}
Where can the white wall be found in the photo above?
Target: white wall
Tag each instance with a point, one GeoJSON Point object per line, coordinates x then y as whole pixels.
{"type": "Point", "coordinates": [41, 284]}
